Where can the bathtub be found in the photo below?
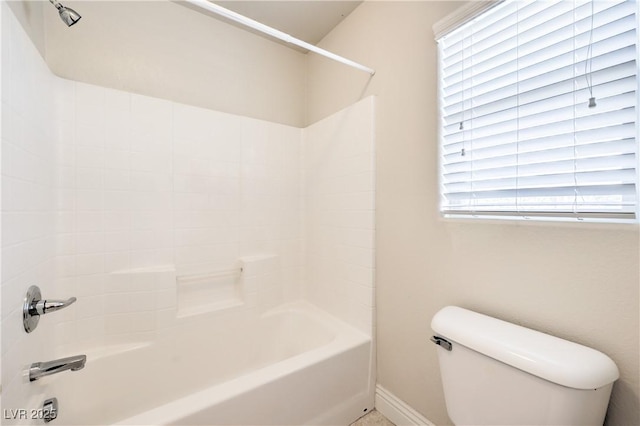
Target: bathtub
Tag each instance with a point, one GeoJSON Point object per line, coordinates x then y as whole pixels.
{"type": "Point", "coordinates": [293, 365]}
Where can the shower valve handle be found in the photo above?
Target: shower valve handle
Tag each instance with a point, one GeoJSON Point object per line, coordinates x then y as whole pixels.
{"type": "Point", "coordinates": [45, 306]}
{"type": "Point", "coordinates": [34, 306]}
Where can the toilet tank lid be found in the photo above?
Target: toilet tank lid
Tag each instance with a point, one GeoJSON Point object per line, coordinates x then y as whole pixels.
{"type": "Point", "coordinates": [551, 358]}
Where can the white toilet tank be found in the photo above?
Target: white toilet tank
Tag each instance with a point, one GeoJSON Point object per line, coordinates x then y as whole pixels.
{"type": "Point", "coordinates": [498, 373]}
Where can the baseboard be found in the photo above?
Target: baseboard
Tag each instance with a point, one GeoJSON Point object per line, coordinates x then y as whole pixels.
{"type": "Point", "coordinates": [396, 410]}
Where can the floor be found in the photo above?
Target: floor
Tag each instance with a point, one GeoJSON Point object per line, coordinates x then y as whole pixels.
{"type": "Point", "coordinates": [374, 418]}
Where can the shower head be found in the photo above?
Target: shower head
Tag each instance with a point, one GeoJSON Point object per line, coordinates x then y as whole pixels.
{"type": "Point", "coordinates": [68, 15]}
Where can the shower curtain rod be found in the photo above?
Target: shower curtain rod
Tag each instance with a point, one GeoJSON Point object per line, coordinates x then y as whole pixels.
{"type": "Point", "coordinates": [229, 14]}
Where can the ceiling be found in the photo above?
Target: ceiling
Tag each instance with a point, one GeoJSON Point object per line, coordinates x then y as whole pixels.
{"type": "Point", "coordinates": [307, 20]}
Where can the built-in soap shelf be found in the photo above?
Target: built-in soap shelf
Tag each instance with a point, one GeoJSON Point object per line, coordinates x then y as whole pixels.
{"type": "Point", "coordinates": [209, 291]}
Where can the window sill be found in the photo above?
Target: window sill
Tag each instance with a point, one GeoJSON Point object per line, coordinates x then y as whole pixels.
{"type": "Point", "coordinates": [591, 223]}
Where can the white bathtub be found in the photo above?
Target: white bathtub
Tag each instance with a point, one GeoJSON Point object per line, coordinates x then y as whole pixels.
{"type": "Point", "coordinates": [295, 365]}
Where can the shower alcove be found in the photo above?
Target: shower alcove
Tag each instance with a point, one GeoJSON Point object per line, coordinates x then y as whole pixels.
{"type": "Point", "coordinates": [219, 261]}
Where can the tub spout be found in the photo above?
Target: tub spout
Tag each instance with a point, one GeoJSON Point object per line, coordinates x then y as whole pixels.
{"type": "Point", "coordinates": [42, 369]}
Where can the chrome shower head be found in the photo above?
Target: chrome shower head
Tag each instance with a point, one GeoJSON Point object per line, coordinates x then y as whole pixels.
{"type": "Point", "coordinates": [68, 15]}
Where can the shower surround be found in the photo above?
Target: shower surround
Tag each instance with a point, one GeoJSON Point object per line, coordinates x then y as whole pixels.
{"type": "Point", "coordinates": [156, 214]}
{"type": "Point", "coordinates": [151, 190]}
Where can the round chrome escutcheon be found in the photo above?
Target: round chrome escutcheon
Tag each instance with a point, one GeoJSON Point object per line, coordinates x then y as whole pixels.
{"type": "Point", "coordinates": [30, 317]}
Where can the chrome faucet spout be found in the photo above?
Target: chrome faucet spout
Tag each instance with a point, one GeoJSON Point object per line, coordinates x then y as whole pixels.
{"type": "Point", "coordinates": [43, 369]}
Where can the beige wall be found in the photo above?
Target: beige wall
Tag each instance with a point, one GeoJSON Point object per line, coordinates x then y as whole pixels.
{"type": "Point", "coordinates": [31, 17]}
{"type": "Point", "coordinates": [165, 50]}
{"type": "Point", "coordinates": [577, 281]}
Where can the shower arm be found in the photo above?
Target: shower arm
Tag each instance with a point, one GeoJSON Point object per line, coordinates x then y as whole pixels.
{"type": "Point", "coordinates": [248, 22]}
{"type": "Point", "coordinates": [56, 4]}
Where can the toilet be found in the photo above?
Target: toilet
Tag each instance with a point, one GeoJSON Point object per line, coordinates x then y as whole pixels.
{"type": "Point", "coordinates": [498, 373]}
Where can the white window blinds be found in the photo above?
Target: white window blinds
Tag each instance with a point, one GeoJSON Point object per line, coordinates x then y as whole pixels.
{"type": "Point", "coordinates": [538, 103]}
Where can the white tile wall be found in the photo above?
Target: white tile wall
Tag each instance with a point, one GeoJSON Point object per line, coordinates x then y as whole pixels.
{"type": "Point", "coordinates": [340, 216]}
{"type": "Point", "coordinates": [261, 278]}
{"type": "Point", "coordinates": [27, 171]}
{"type": "Point", "coordinates": [146, 182]}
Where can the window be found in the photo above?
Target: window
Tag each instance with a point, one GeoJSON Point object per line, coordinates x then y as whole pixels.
{"type": "Point", "coordinates": [538, 111]}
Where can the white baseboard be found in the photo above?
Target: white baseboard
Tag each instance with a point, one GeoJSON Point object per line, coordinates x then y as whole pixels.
{"type": "Point", "coordinates": [396, 410]}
